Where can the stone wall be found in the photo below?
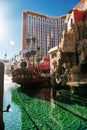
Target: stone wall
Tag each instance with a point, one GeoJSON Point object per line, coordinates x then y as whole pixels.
{"type": "Point", "coordinates": [72, 53]}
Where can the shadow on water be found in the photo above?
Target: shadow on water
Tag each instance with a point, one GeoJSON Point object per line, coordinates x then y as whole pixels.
{"type": "Point", "coordinates": [37, 92]}
{"type": "Point", "coordinates": [66, 95]}
{"type": "Point", "coordinates": [41, 108]}
{"type": "Point", "coordinates": [45, 93]}
{"type": "Point", "coordinates": [36, 109]}
{"type": "Point", "coordinates": [48, 93]}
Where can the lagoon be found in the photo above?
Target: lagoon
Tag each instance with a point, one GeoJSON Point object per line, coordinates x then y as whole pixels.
{"type": "Point", "coordinates": [36, 109]}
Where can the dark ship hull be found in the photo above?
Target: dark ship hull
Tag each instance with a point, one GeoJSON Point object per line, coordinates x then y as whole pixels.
{"type": "Point", "coordinates": [25, 77]}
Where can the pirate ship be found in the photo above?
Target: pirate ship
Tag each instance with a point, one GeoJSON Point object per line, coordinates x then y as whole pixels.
{"type": "Point", "coordinates": [32, 76]}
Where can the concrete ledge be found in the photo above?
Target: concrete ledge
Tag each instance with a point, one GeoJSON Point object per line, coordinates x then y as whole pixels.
{"type": "Point", "coordinates": [76, 84]}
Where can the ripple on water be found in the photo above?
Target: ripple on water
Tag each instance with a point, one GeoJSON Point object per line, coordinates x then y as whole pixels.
{"type": "Point", "coordinates": [48, 117]}
{"type": "Point", "coordinates": [12, 119]}
{"type": "Point", "coordinates": [44, 115]}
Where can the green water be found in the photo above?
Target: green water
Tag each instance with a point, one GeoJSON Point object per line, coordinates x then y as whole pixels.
{"type": "Point", "coordinates": [33, 113]}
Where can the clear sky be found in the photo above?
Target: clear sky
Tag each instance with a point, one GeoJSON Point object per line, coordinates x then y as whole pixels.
{"type": "Point", "coordinates": [11, 20]}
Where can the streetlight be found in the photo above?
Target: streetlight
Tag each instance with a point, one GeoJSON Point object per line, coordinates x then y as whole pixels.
{"type": "Point", "coordinates": [38, 55]}
{"type": "Point", "coordinates": [32, 52]}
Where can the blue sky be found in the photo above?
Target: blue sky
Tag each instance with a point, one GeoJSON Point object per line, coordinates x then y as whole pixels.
{"type": "Point", "coordinates": [11, 20]}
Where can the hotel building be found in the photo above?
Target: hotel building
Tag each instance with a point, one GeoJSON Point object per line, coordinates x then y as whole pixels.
{"type": "Point", "coordinates": [73, 16]}
{"type": "Point", "coordinates": [41, 31]}
{"type": "Point", "coordinates": [82, 5]}
{"type": "Point", "coordinates": [76, 14]}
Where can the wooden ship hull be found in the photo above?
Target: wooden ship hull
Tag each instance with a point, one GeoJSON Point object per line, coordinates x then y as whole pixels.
{"type": "Point", "coordinates": [25, 77]}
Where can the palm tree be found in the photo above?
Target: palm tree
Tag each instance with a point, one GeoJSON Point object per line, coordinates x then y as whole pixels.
{"type": "Point", "coordinates": [20, 54]}
{"type": "Point", "coordinates": [31, 41]}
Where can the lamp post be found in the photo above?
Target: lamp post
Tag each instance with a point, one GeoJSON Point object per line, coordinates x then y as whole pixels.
{"type": "Point", "coordinates": [28, 54]}
{"type": "Point", "coordinates": [38, 55]}
{"type": "Point", "coordinates": [32, 52]}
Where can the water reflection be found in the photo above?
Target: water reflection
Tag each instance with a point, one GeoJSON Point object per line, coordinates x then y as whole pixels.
{"type": "Point", "coordinates": [41, 109]}
{"type": "Point", "coordinates": [11, 119]}
{"type": "Point", "coordinates": [40, 93]}
{"type": "Point", "coordinates": [46, 115]}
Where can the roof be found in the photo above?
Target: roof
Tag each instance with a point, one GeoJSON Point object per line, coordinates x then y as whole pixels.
{"type": "Point", "coordinates": [53, 49]}
{"type": "Point", "coordinates": [79, 15]}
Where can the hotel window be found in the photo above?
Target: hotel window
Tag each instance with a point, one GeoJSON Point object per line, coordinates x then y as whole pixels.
{"type": "Point", "coordinates": [56, 33]}
{"type": "Point", "coordinates": [64, 26]}
{"type": "Point", "coordinates": [43, 28]}
{"type": "Point", "coordinates": [39, 31]}
{"type": "Point", "coordinates": [59, 28]}
{"type": "Point", "coordinates": [52, 33]}
{"type": "Point", "coordinates": [47, 25]}
{"type": "Point", "coordinates": [52, 42]}
{"type": "Point", "coordinates": [59, 22]}
{"type": "Point", "coordinates": [55, 25]}
{"type": "Point", "coordinates": [82, 7]}
{"type": "Point", "coordinates": [52, 25]}
{"type": "Point", "coordinates": [63, 21]}
{"type": "Point", "coordinates": [29, 26]}
{"type": "Point", "coordinates": [34, 31]}
{"type": "Point", "coordinates": [71, 21]}
{"type": "Point", "coordinates": [34, 26]}
{"type": "Point", "coordinates": [48, 34]}
{"type": "Point", "coordinates": [43, 38]}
